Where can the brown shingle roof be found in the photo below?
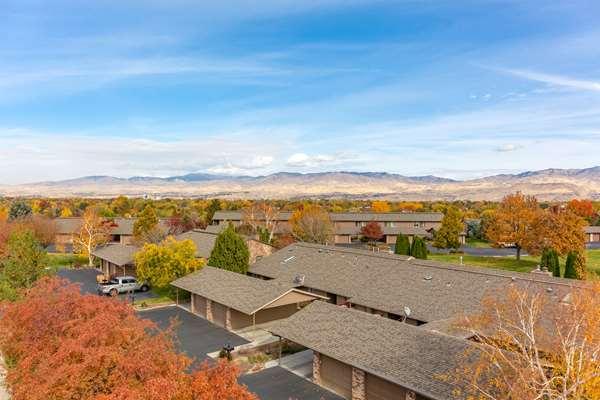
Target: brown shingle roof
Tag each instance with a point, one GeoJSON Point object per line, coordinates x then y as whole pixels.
{"type": "Point", "coordinates": [389, 282]}
{"type": "Point", "coordinates": [400, 353]}
{"type": "Point", "coordinates": [119, 254]}
{"type": "Point", "coordinates": [592, 229]}
{"type": "Point", "coordinates": [240, 292]}
{"type": "Point", "coordinates": [204, 241]}
{"type": "Point", "coordinates": [122, 226]}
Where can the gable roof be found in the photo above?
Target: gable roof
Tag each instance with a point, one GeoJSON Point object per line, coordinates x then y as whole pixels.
{"type": "Point", "coordinates": [121, 226]}
{"type": "Point", "coordinates": [117, 253]}
{"type": "Point", "coordinates": [389, 282]}
{"type": "Point", "coordinates": [592, 229]}
{"type": "Point", "coordinates": [397, 352]}
{"type": "Point", "coordinates": [204, 241]}
{"type": "Point", "coordinates": [240, 292]}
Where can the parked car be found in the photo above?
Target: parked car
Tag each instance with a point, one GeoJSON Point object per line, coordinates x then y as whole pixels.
{"type": "Point", "coordinates": [122, 284]}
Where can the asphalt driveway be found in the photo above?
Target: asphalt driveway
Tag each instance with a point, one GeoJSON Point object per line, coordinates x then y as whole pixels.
{"type": "Point", "coordinates": [277, 383]}
{"type": "Point", "coordinates": [195, 336]}
{"type": "Point", "coordinates": [86, 279]}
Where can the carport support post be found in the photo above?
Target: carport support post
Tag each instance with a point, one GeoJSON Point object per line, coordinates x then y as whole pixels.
{"type": "Point", "coordinates": [177, 296]}
{"type": "Point", "coordinates": [279, 350]}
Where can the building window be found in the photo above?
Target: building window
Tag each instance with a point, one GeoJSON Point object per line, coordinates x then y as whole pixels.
{"type": "Point", "coordinates": [389, 224]}
{"type": "Point", "coordinates": [418, 224]}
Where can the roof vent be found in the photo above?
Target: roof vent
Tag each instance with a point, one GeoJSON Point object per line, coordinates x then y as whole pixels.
{"type": "Point", "coordinates": [428, 277]}
{"type": "Point", "coordinates": [512, 278]}
{"type": "Point", "coordinates": [289, 259]}
{"type": "Point", "coordinates": [549, 290]}
{"type": "Point", "coordinates": [299, 280]}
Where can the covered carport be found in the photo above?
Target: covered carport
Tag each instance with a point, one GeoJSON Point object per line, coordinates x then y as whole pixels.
{"type": "Point", "coordinates": [236, 301]}
{"type": "Point", "coordinates": [116, 259]}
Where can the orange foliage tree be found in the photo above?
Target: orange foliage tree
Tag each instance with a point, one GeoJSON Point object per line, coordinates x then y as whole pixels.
{"type": "Point", "coordinates": [380, 206]}
{"type": "Point", "coordinates": [514, 221]}
{"type": "Point", "coordinates": [534, 345]}
{"type": "Point", "coordinates": [60, 344]}
{"type": "Point", "coordinates": [583, 208]}
{"type": "Point", "coordinates": [311, 223]}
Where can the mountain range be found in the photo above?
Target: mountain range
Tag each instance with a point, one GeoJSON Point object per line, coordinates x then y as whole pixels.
{"type": "Point", "coordinates": [547, 184]}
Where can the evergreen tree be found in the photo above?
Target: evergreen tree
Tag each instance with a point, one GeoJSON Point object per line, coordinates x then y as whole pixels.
{"type": "Point", "coordinates": [570, 266]}
{"type": "Point", "coordinates": [19, 209]}
{"type": "Point", "coordinates": [402, 245]}
{"type": "Point", "coordinates": [418, 248]}
{"type": "Point", "coordinates": [554, 263]}
{"type": "Point", "coordinates": [230, 252]}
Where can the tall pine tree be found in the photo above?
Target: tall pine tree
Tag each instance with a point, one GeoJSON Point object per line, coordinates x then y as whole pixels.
{"type": "Point", "coordinates": [230, 252]}
{"type": "Point", "coordinates": [570, 266]}
{"type": "Point", "coordinates": [418, 248]}
{"type": "Point", "coordinates": [402, 245]}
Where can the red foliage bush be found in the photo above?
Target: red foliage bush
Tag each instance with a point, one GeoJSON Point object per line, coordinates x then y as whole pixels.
{"type": "Point", "coordinates": [60, 344]}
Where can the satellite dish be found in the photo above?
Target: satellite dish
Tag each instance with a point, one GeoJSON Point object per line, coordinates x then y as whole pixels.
{"type": "Point", "coordinates": [407, 311]}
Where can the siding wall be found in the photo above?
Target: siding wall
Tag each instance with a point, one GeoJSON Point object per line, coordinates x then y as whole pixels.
{"type": "Point", "coordinates": [219, 312]}
{"type": "Point", "coordinates": [379, 389]}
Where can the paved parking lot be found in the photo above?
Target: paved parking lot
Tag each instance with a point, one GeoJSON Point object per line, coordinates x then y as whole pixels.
{"type": "Point", "coordinates": [277, 383]}
{"type": "Point", "coordinates": [195, 336]}
{"type": "Point", "coordinates": [86, 279]}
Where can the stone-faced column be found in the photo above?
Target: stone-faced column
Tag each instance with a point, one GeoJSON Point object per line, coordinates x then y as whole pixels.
{"type": "Point", "coordinates": [316, 368]}
{"type": "Point", "coordinates": [410, 395]}
{"type": "Point", "coordinates": [358, 384]}
{"type": "Point", "coordinates": [209, 315]}
{"type": "Point", "coordinates": [228, 319]}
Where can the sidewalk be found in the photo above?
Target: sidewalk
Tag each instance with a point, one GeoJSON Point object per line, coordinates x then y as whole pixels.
{"type": "Point", "coordinates": [3, 393]}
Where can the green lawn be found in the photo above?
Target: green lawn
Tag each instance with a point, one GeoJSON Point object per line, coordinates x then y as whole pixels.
{"type": "Point", "coordinates": [526, 264]}
{"type": "Point", "coordinates": [478, 243]}
{"type": "Point", "coordinates": [60, 260]}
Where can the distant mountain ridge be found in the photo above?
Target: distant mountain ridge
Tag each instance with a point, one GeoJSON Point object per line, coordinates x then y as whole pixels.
{"type": "Point", "coordinates": [547, 184]}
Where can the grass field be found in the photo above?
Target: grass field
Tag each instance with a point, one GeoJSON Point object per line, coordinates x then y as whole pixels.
{"type": "Point", "coordinates": [59, 260]}
{"type": "Point", "coordinates": [478, 243]}
{"type": "Point", "coordinates": [526, 264]}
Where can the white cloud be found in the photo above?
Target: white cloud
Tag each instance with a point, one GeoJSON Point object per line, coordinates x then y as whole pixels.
{"type": "Point", "coordinates": [505, 148]}
{"type": "Point", "coordinates": [558, 80]}
{"type": "Point", "coordinates": [303, 160]}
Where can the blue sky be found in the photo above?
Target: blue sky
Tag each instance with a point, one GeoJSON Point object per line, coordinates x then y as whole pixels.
{"type": "Point", "coordinates": [452, 88]}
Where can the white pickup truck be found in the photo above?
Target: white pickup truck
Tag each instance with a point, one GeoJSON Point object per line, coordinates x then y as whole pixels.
{"type": "Point", "coordinates": [122, 284]}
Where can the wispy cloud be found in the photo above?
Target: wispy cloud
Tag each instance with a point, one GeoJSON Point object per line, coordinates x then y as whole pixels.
{"type": "Point", "coordinates": [505, 148]}
{"type": "Point", "coordinates": [551, 79]}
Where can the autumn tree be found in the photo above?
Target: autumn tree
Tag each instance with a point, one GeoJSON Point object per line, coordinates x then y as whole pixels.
{"type": "Point", "coordinates": [160, 264]}
{"type": "Point", "coordinates": [582, 208]}
{"type": "Point", "coordinates": [380, 206]}
{"type": "Point", "coordinates": [145, 227]}
{"type": "Point", "coordinates": [561, 230]}
{"type": "Point", "coordinates": [263, 219]}
{"type": "Point", "coordinates": [94, 232]}
{"type": "Point", "coordinates": [402, 246]}
{"type": "Point", "coordinates": [230, 252]}
{"type": "Point", "coordinates": [65, 345]}
{"type": "Point", "coordinates": [372, 231]}
{"type": "Point", "coordinates": [24, 263]}
{"type": "Point", "coordinates": [448, 235]}
{"type": "Point", "coordinates": [311, 223]}
{"type": "Point", "coordinates": [533, 345]}
{"type": "Point", "coordinates": [513, 222]}
{"type": "Point", "coordinates": [43, 228]}
{"type": "Point", "coordinates": [213, 207]}
{"type": "Point", "coordinates": [19, 209]}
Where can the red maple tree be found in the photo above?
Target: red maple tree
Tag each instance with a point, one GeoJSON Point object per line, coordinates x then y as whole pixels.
{"type": "Point", "coordinates": [372, 231]}
{"type": "Point", "coordinates": [61, 344]}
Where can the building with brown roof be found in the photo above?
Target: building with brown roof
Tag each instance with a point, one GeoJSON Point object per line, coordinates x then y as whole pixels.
{"type": "Point", "coordinates": [592, 234]}
{"type": "Point", "coordinates": [235, 301]}
{"type": "Point", "coordinates": [347, 226]}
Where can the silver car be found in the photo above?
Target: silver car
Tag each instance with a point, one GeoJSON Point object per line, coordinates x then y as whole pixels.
{"type": "Point", "coordinates": [122, 284]}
